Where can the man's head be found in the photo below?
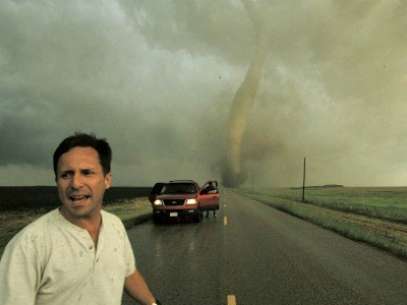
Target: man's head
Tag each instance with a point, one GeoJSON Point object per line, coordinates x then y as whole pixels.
{"type": "Point", "coordinates": [82, 174]}
{"type": "Point", "coordinates": [85, 140]}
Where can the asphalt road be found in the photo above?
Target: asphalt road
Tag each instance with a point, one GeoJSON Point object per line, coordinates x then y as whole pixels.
{"type": "Point", "coordinates": [257, 255]}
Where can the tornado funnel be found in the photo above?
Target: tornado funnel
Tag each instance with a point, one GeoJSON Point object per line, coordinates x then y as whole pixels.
{"type": "Point", "coordinates": [233, 172]}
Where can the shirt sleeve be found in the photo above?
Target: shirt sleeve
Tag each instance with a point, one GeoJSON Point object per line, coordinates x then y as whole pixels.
{"type": "Point", "coordinates": [20, 271]}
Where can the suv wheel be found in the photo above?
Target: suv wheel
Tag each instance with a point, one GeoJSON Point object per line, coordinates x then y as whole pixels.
{"type": "Point", "coordinates": [157, 219]}
{"type": "Point", "coordinates": [198, 217]}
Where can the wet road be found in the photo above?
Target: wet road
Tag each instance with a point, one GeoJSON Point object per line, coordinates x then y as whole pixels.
{"type": "Point", "coordinates": [260, 256]}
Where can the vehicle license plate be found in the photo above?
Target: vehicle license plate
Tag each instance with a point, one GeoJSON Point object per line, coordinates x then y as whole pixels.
{"type": "Point", "coordinates": [173, 214]}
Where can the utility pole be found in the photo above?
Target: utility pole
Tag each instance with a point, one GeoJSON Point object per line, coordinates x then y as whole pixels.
{"type": "Point", "coordinates": [303, 181]}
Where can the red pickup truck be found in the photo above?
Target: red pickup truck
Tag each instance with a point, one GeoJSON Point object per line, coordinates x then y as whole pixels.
{"type": "Point", "coordinates": [183, 198]}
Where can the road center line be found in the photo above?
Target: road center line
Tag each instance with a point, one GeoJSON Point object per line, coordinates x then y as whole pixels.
{"type": "Point", "coordinates": [225, 220]}
{"type": "Point", "coordinates": [231, 299]}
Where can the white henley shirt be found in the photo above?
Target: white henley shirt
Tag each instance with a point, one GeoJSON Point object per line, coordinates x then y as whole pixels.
{"type": "Point", "coordinates": [54, 262]}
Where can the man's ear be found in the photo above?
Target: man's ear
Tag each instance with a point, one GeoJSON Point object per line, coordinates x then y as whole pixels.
{"type": "Point", "coordinates": [108, 180]}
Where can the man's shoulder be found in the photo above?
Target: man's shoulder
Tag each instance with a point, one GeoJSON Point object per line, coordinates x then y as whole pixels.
{"type": "Point", "coordinates": [42, 222]}
{"type": "Point", "coordinates": [34, 232]}
{"type": "Point", "coordinates": [111, 218]}
{"type": "Point", "coordinates": [113, 225]}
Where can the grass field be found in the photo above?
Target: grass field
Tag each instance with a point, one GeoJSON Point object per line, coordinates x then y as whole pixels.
{"type": "Point", "coordinates": [13, 221]}
{"type": "Point", "coordinates": [377, 216]}
{"type": "Point", "coordinates": [28, 198]}
{"type": "Point", "coordinates": [388, 203]}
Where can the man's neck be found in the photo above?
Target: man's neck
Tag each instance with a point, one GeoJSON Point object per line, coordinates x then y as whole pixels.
{"type": "Point", "coordinates": [91, 223]}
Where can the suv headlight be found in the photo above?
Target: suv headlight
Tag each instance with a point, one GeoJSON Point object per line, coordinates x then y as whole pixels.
{"type": "Point", "coordinates": [158, 202]}
{"type": "Point", "coordinates": [192, 201]}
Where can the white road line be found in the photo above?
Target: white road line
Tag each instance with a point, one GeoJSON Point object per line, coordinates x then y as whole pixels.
{"type": "Point", "coordinates": [231, 299]}
{"type": "Point", "coordinates": [225, 220]}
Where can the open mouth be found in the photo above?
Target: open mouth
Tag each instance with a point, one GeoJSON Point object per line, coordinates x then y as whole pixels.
{"type": "Point", "coordinates": [78, 198]}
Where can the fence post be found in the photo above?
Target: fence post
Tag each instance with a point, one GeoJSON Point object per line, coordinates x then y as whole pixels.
{"type": "Point", "coordinates": [303, 182]}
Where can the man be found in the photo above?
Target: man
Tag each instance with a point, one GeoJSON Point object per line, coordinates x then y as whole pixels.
{"type": "Point", "coordinates": [78, 253]}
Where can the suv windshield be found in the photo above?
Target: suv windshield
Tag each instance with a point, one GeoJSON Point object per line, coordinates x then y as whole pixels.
{"type": "Point", "coordinates": [179, 188]}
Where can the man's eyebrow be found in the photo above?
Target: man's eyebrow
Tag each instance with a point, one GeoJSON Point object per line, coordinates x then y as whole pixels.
{"type": "Point", "coordinates": [88, 169]}
{"type": "Point", "coordinates": [67, 171]}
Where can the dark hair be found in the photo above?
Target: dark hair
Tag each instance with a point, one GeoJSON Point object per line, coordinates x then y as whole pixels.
{"type": "Point", "coordinates": [85, 140]}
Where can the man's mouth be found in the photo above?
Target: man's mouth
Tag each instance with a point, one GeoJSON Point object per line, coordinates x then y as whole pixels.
{"type": "Point", "coordinates": [77, 198]}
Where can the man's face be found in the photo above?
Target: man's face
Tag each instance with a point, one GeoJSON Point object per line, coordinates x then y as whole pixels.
{"type": "Point", "coordinates": [81, 182]}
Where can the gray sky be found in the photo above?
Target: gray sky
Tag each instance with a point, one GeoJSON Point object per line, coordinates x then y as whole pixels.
{"type": "Point", "coordinates": [157, 79]}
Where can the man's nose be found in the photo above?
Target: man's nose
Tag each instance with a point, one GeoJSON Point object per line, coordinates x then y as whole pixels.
{"type": "Point", "coordinates": [76, 181]}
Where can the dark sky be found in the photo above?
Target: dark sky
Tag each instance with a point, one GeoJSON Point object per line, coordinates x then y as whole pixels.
{"type": "Point", "coordinates": [157, 78]}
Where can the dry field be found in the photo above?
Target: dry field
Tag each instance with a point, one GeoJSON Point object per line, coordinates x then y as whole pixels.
{"type": "Point", "coordinates": [13, 221]}
{"type": "Point", "coordinates": [39, 197]}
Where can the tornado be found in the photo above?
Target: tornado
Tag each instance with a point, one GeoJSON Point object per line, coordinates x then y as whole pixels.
{"type": "Point", "coordinates": [233, 173]}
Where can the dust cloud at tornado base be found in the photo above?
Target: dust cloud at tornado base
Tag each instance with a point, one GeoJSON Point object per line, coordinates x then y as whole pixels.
{"type": "Point", "coordinates": [158, 79]}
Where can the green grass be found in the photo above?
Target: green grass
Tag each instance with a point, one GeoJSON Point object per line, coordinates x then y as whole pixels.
{"type": "Point", "coordinates": [357, 220]}
{"type": "Point", "coordinates": [385, 203]}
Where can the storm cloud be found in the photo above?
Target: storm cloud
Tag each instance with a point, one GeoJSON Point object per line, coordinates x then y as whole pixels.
{"type": "Point", "coordinates": [157, 79]}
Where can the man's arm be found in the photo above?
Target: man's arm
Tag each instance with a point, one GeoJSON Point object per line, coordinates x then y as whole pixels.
{"type": "Point", "coordinates": [137, 288]}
